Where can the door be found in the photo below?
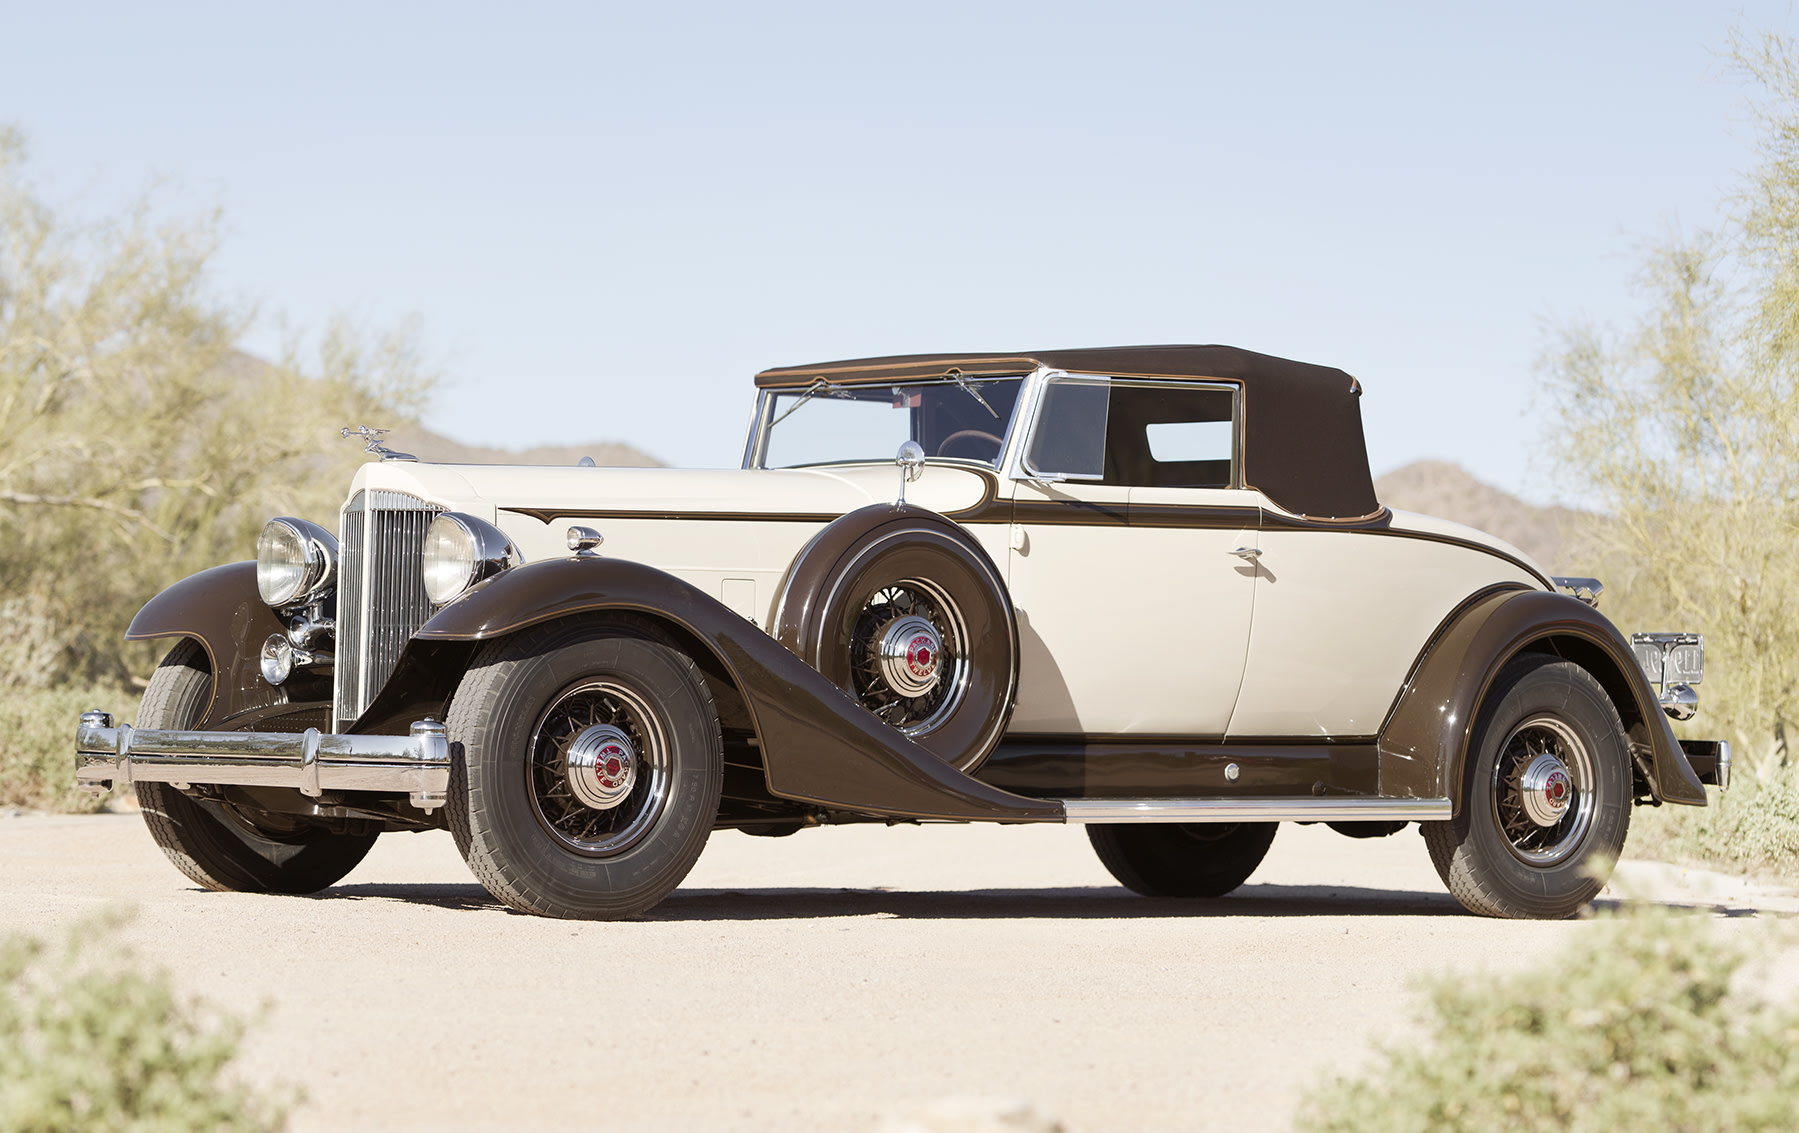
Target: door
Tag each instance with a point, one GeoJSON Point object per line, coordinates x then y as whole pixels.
{"type": "Point", "coordinates": [1134, 611]}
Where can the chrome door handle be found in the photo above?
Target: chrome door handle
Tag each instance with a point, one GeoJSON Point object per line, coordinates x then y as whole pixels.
{"type": "Point", "coordinates": [1248, 554]}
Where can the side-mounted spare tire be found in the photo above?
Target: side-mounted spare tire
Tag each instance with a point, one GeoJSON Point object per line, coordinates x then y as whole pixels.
{"type": "Point", "coordinates": [906, 612]}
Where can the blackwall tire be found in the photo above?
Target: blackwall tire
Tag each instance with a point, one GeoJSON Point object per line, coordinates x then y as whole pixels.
{"type": "Point", "coordinates": [958, 591]}
{"type": "Point", "coordinates": [580, 844]}
{"type": "Point", "coordinates": [1507, 853]}
{"type": "Point", "coordinates": [217, 845]}
{"type": "Point", "coordinates": [1182, 859]}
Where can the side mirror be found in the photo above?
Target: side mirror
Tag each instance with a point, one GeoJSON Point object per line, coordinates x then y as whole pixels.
{"type": "Point", "coordinates": [910, 459]}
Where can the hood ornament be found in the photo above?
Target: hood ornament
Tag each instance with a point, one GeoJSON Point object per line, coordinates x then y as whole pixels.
{"type": "Point", "coordinates": [373, 439]}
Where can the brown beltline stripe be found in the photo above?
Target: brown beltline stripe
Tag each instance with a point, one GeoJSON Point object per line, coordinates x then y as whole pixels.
{"type": "Point", "coordinates": [545, 515]}
{"type": "Point", "coordinates": [1176, 515]}
{"type": "Point", "coordinates": [1071, 513]}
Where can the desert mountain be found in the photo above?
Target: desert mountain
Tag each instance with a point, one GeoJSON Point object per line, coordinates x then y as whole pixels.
{"type": "Point", "coordinates": [426, 445]}
{"type": "Point", "coordinates": [1447, 491]}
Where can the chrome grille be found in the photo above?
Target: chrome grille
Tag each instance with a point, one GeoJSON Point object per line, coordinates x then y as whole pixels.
{"type": "Point", "coordinates": [381, 599]}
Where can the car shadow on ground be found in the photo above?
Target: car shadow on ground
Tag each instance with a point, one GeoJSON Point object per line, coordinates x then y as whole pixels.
{"type": "Point", "coordinates": [1074, 903]}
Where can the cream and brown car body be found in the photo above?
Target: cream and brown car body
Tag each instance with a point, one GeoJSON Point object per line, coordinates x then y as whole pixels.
{"type": "Point", "coordinates": [1177, 600]}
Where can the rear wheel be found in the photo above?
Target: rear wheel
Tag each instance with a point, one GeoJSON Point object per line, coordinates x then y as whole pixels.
{"type": "Point", "coordinates": [218, 843]}
{"type": "Point", "coordinates": [1182, 859]}
{"type": "Point", "coordinates": [590, 769]}
{"type": "Point", "coordinates": [1546, 795]}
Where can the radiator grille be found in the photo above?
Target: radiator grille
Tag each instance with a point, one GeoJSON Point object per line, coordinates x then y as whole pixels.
{"type": "Point", "coordinates": [381, 592]}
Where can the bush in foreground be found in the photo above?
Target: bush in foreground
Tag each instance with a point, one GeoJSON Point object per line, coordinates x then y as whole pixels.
{"type": "Point", "coordinates": [1636, 1026]}
{"type": "Point", "coordinates": [89, 1043]}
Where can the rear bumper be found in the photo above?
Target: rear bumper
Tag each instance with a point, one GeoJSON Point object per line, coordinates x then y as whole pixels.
{"type": "Point", "coordinates": [417, 765]}
{"type": "Point", "coordinates": [1710, 760]}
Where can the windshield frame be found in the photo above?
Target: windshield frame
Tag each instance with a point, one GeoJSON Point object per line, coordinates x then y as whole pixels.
{"type": "Point", "coordinates": [755, 450]}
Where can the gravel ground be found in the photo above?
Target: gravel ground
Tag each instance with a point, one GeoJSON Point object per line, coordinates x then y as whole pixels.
{"type": "Point", "coordinates": [842, 979]}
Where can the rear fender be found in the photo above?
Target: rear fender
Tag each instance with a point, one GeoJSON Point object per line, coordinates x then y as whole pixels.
{"type": "Point", "coordinates": [1424, 743]}
{"type": "Point", "coordinates": [818, 745]}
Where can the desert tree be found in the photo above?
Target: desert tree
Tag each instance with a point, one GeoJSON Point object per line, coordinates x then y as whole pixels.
{"type": "Point", "coordinates": [138, 443]}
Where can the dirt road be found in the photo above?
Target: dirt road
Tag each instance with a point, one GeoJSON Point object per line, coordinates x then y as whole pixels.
{"type": "Point", "coordinates": [836, 979]}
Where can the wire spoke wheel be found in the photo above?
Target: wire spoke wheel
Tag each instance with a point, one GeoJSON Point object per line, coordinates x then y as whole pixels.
{"type": "Point", "coordinates": [909, 655]}
{"type": "Point", "coordinates": [1546, 794]}
{"type": "Point", "coordinates": [599, 768]}
{"type": "Point", "coordinates": [908, 615]}
{"type": "Point", "coordinates": [1543, 790]}
{"type": "Point", "coordinates": [586, 768]}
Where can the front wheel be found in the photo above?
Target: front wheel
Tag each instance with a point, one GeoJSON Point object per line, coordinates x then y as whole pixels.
{"type": "Point", "coordinates": [218, 843]}
{"type": "Point", "coordinates": [1182, 859]}
{"type": "Point", "coordinates": [590, 770]}
{"type": "Point", "coordinates": [1546, 795]}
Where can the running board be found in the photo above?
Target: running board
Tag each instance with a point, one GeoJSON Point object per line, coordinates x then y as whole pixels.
{"type": "Point", "coordinates": [1256, 810]}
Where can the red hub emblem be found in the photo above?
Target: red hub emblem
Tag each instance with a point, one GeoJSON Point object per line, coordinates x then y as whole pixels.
{"type": "Point", "coordinates": [1556, 790]}
{"type": "Point", "coordinates": [611, 766]}
{"type": "Point", "coordinates": [921, 656]}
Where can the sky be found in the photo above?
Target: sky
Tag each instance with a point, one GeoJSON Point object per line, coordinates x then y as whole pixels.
{"type": "Point", "coordinates": [607, 218]}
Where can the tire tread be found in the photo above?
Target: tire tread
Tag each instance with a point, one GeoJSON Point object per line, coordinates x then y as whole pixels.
{"type": "Point", "coordinates": [471, 711]}
{"type": "Point", "coordinates": [1477, 884]}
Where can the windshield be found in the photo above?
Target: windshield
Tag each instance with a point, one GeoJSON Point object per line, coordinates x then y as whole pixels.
{"type": "Point", "coordinates": [838, 424]}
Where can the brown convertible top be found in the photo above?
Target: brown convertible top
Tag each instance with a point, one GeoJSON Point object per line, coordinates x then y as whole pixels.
{"type": "Point", "coordinates": [1302, 423]}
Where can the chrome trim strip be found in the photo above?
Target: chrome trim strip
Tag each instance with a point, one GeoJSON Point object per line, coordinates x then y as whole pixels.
{"type": "Point", "coordinates": [1256, 810]}
{"type": "Point", "coordinates": [311, 762]}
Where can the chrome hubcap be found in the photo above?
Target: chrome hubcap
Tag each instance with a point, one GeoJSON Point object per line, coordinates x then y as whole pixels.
{"type": "Point", "coordinates": [602, 766]}
{"type": "Point", "coordinates": [1545, 790]}
{"type": "Point", "coordinates": [908, 658]}
{"type": "Point", "coordinates": [911, 654]}
{"type": "Point", "coordinates": [1543, 798]}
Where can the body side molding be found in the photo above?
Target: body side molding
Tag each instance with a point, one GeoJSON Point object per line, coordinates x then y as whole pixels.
{"type": "Point", "coordinates": [1256, 810]}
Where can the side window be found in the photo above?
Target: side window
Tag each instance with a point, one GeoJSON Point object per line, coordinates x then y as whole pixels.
{"type": "Point", "coordinates": [1069, 442]}
{"type": "Point", "coordinates": [1169, 436]}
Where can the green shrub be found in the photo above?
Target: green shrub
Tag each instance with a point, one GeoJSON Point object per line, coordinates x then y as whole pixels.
{"type": "Point", "coordinates": [37, 744]}
{"type": "Point", "coordinates": [1636, 1026]}
{"type": "Point", "coordinates": [1753, 828]}
{"type": "Point", "coordinates": [89, 1043]}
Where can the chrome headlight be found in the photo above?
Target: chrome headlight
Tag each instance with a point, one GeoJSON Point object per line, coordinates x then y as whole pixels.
{"type": "Point", "coordinates": [460, 551]}
{"type": "Point", "coordinates": [296, 562]}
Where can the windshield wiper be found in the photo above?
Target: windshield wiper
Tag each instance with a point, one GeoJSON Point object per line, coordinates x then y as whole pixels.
{"type": "Point", "coordinates": [956, 376]}
{"type": "Point", "coordinates": [818, 386]}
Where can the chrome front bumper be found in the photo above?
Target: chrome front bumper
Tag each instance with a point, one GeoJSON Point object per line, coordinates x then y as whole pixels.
{"type": "Point", "coordinates": [310, 762]}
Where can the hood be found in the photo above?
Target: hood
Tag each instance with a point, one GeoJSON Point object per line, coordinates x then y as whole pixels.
{"type": "Point", "coordinates": [492, 492]}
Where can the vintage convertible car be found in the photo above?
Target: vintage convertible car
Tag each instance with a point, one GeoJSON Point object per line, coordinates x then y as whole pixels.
{"type": "Point", "coordinates": [1148, 589]}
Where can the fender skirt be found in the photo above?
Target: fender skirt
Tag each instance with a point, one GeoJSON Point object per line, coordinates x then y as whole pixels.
{"type": "Point", "coordinates": [222, 610]}
{"type": "Point", "coordinates": [818, 744]}
{"type": "Point", "coordinates": [1426, 738]}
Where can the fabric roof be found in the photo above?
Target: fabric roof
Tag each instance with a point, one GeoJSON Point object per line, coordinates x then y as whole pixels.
{"type": "Point", "coordinates": [1302, 439]}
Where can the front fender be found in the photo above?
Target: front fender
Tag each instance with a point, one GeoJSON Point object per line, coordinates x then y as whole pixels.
{"type": "Point", "coordinates": [1427, 735]}
{"type": "Point", "coordinates": [222, 610]}
{"type": "Point", "coordinates": [818, 745]}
